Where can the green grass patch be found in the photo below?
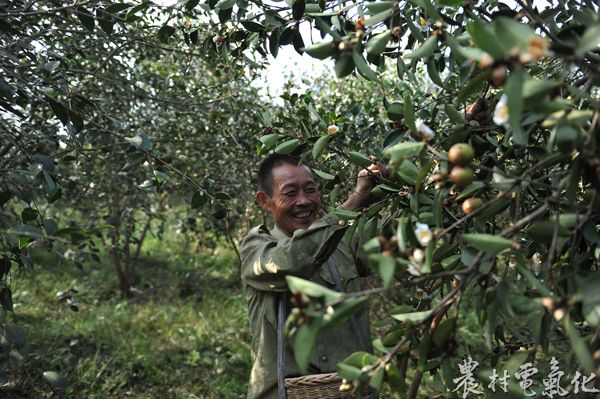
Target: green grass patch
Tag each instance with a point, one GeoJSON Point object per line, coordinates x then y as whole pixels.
{"type": "Point", "coordinates": [184, 334]}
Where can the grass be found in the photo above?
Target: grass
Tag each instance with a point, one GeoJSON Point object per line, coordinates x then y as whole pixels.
{"type": "Point", "coordinates": [183, 335]}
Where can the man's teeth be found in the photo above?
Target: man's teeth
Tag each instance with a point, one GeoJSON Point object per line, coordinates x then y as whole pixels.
{"type": "Point", "coordinates": [303, 214]}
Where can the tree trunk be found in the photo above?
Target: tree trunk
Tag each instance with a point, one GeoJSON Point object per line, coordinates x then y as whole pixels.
{"type": "Point", "coordinates": [115, 257]}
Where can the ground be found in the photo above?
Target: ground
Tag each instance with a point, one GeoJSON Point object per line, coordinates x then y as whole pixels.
{"type": "Point", "coordinates": [184, 334]}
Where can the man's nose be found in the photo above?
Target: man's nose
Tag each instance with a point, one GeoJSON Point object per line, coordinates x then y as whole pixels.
{"type": "Point", "coordinates": [302, 199]}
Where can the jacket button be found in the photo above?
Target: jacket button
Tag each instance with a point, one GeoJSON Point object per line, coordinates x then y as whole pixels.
{"type": "Point", "coordinates": [342, 222]}
{"type": "Point", "coordinates": [323, 358]}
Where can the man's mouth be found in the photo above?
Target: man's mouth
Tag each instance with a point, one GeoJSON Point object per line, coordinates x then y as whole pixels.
{"type": "Point", "coordinates": [303, 215]}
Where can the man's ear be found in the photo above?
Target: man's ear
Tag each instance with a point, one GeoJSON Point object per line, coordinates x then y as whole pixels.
{"type": "Point", "coordinates": [263, 200]}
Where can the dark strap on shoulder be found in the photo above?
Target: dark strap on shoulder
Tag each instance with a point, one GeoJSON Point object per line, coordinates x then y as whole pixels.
{"type": "Point", "coordinates": [281, 311]}
{"type": "Point", "coordinates": [340, 288]}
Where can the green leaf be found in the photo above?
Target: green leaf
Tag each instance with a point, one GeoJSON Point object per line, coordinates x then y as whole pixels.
{"type": "Point", "coordinates": [538, 87]}
{"type": "Point", "coordinates": [274, 43]}
{"type": "Point", "coordinates": [514, 91]}
{"type": "Point", "coordinates": [348, 372]}
{"type": "Point", "coordinates": [225, 4]}
{"type": "Point", "coordinates": [320, 146]}
{"type": "Point", "coordinates": [287, 147]}
{"type": "Point", "coordinates": [426, 48]}
{"type": "Point", "coordinates": [379, 17]}
{"type": "Point", "coordinates": [359, 159]}
{"type": "Point", "coordinates": [164, 33]}
{"type": "Point", "coordinates": [345, 214]}
{"type": "Point", "coordinates": [116, 8]}
{"type": "Point", "coordinates": [191, 4]}
{"type": "Point", "coordinates": [344, 65]}
{"type": "Point", "coordinates": [362, 66]}
{"type": "Point", "coordinates": [409, 114]}
{"type": "Point", "coordinates": [495, 208]}
{"type": "Point", "coordinates": [400, 151]}
{"type": "Point", "coordinates": [395, 111]}
{"type": "Point", "coordinates": [378, 7]}
{"type": "Point", "coordinates": [86, 18]}
{"type": "Point", "coordinates": [533, 281]}
{"type": "Point", "coordinates": [386, 268]}
{"type": "Point", "coordinates": [512, 34]}
{"type": "Point", "coordinates": [589, 41]}
{"type": "Point", "coordinates": [414, 317]}
{"type": "Point", "coordinates": [320, 50]}
{"type": "Point", "coordinates": [198, 199]}
{"type": "Point", "coordinates": [323, 175]}
{"type": "Point", "coordinates": [269, 140]}
{"type": "Point", "coordinates": [423, 351]}
{"type": "Point", "coordinates": [453, 114]}
{"type": "Point", "coordinates": [581, 350]}
{"type": "Point", "coordinates": [29, 215]}
{"type": "Point", "coordinates": [296, 284]}
{"type": "Point", "coordinates": [473, 85]}
{"type": "Point", "coordinates": [252, 26]}
{"type": "Point", "coordinates": [298, 9]}
{"type": "Point", "coordinates": [543, 231]}
{"type": "Point", "coordinates": [484, 37]}
{"type": "Point", "coordinates": [470, 189]}
{"type": "Point", "coordinates": [450, 3]}
{"type": "Point", "coordinates": [50, 226]}
{"type": "Point", "coordinates": [378, 43]}
{"type": "Point", "coordinates": [377, 379]}
{"type": "Point", "coordinates": [433, 72]}
{"type": "Point", "coordinates": [487, 242]}
{"type": "Point", "coordinates": [61, 112]}
{"type": "Point", "coordinates": [105, 21]}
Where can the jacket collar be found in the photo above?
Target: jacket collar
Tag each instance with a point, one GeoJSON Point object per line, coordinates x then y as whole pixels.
{"type": "Point", "coordinates": [275, 232]}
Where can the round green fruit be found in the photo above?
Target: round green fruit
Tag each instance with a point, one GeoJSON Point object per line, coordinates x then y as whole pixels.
{"type": "Point", "coordinates": [461, 154]}
{"type": "Point", "coordinates": [471, 205]}
{"type": "Point", "coordinates": [460, 176]}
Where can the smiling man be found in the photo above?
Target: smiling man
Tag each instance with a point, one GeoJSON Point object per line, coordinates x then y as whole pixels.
{"type": "Point", "coordinates": [300, 244]}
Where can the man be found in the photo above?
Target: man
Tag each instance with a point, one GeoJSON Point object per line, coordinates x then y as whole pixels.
{"type": "Point", "coordinates": [300, 244]}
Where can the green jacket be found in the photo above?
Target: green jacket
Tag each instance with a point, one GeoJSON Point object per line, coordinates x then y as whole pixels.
{"type": "Point", "coordinates": [267, 257]}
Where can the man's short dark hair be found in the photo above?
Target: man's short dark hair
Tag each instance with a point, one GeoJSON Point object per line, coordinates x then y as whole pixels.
{"type": "Point", "coordinates": [265, 170]}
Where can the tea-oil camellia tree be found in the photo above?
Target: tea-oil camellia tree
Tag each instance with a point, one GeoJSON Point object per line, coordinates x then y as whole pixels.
{"type": "Point", "coordinates": [486, 234]}
{"type": "Point", "coordinates": [490, 216]}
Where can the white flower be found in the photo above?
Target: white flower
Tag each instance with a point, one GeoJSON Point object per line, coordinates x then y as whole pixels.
{"type": "Point", "coordinates": [416, 261]}
{"type": "Point", "coordinates": [414, 270]}
{"type": "Point", "coordinates": [501, 112]}
{"type": "Point", "coordinates": [425, 131]}
{"type": "Point", "coordinates": [536, 263]}
{"type": "Point", "coordinates": [424, 235]}
{"type": "Point", "coordinates": [423, 24]}
{"type": "Point", "coordinates": [512, 262]}
{"type": "Point", "coordinates": [537, 48]}
{"type": "Point", "coordinates": [332, 129]}
{"type": "Point", "coordinates": [418, 255]}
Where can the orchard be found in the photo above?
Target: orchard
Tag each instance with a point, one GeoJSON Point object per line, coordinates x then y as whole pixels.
{"type": "Point", "coordinates": [122, 120]}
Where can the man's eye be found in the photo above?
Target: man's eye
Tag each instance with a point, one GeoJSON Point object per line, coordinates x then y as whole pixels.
{"type": "Point", "coordinates": [311, 190]}
{"type": "Point", "coordinates": [289, 193]}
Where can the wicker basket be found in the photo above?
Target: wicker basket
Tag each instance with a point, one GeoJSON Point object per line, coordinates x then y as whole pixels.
{"type": "Point", "coordinates": [317, 386]}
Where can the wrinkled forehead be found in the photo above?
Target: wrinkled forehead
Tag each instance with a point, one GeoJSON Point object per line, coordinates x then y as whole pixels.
{"type": "Point", "coordinates": [287, 175]}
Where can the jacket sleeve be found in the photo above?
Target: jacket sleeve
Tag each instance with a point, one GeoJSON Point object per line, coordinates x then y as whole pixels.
{"type": "Point", "coordinates": [266, 260]}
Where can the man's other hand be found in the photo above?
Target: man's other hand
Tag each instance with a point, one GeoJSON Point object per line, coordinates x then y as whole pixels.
{"type": "Point", "coordinates": [367, 179]}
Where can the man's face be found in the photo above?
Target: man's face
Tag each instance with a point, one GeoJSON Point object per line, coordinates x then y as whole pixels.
{"type": "Point", "coordinates": [295, 200]}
